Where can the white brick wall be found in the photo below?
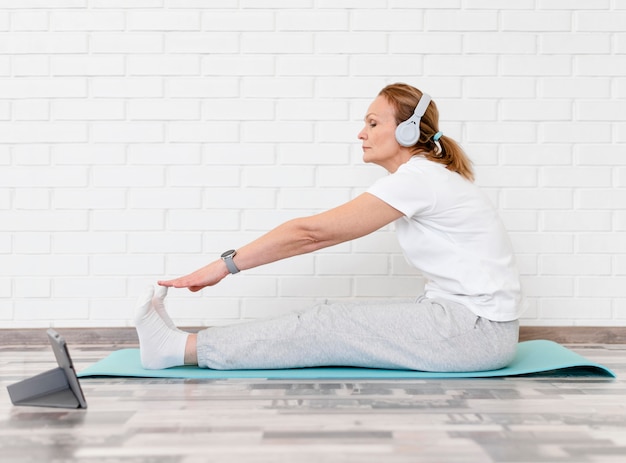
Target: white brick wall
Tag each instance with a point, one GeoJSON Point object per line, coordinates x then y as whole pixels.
{"type": "Point", "coordinates": [139, 139]}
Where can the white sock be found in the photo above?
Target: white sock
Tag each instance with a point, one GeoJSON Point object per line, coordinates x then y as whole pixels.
{"type": "Point", "coordinates": [160, 346]}
{"type": "Point", "coordinates": [158, 302]}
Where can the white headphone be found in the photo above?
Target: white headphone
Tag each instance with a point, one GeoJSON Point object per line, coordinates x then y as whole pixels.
{"type": "Point", "coordinates": [408, 132]}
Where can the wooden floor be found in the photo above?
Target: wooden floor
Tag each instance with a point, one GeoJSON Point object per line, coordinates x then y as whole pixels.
{"type": "Point", "coordinates": [525, 419]}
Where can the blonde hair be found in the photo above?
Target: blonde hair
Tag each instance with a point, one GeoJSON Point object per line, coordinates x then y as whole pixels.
{"type": "Point", "coordinates": [404, 99]}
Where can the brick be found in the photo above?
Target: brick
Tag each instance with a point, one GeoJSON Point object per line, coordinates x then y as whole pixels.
{"type": "Point", "coordinates": [92, 287]}
{"type": "Point", "coordinates": [46, 43]}
{"type": "Point", "coordinates": [201, 220]}
{"type": "Point", "coordinates": [127, 132]}
{"type": "Point", "coordinates": [322, 20]}
{"type": "Point", "coordinates": [600, 286]}
{"type": "Point", "coordinates": [239, 154]}
{"type": "Point", "coordinates": [35, 87]}
{"type": "Point", "coordinates": [175, 65]}
{"type": "Point", "coordinates": [127, 87]}
{"type": "Point", "coordinates": [355, 87]}
{"type": "Point", "coordinates": [425, 43]}
{"type": "Point", "coordinates": [373, 65]}
{"type": "Point", "coordinates": [118, 265]}
{"type": "Point", "coordinates": [29, 20]}
{"type": "Point", "coordinates": [501, 132]}
{"type": "Point", "coordinates": [365, 264]}
{"type": "Point", "coordinates": [43, 176]}
{"type": "Point", "coordinates": [590, 221]}
{"type": "Point", "coordinates": [552, 21]}
{"type": "Point", "coordinates": [277, 132]}
{"type": "Point", "coordinates": [88, 154]}
{"type": "Point", "coordinates": [203, 176]}
{"type": "Point", "coordinates": [240, 198]}
{"type": "Point", "coordinates": [546, 110]}
{"type": "Point", "coordinates": [520, 220]}
{"type": "Point", "coordinates": [233, 65]}
{"type": "Point", "coordinates": [571, 309]}
{"type": "Point", "coordinates": [536, 199]}
{"type": "Point", "coordinates": [30, 65]}
{"type": "Point", "coordinates": [164, 243]}
{"type": "Point", "coordinates": [575, 265]}
{"type": "Point", "coordinates": [574, 87]}
{"type": "Point", "coordinates": [165, 198]}
{"type": "Point", "coordinates": [88, 243]}
{"type": "Point", "coordinates": [44, 265]}
{"type": "Point", "coordinates": [87, 110]}
{"type": "Point", "coordinates": [87, 20]}
{"type": "Point", "coordinates": [536, 65]}
{"type": "Point", "coordinates": [105, 198]}
{"type": "Point", "coordinates": [130, 220]}
{"type": "Point", "coordinates": [53, 309]}
{"type": "Point", "coordinates": [600, 65]}
{"type": "Point", "coordinates": [163, 110]}
{"type": "Point", "coordinates": [262, 87]}
{"type": "Point", "coordinates": [312, 198]}
{"type": "Point", "coordinates": [31, 110]}
{"type": "Point", "coordinates": [313, 154]}
{"type": "Point", "coordinates": [237, 20]}
{"type": "Point", "coordinates": [190, 87]}
{"type": "Point", "coordinates": [500, 87]}
{"type": "Point", "coordinates": [589, 155]}
{"type": "Point", "coordinates": [315, 287]}
{"type": "Point", "coordinates": [171, 20]}
{"type": "Point", "coordinates": [128, 42]}
{"type": "Point", "coordinates": [202, 42]}
{"type": "Point", "coordinates": [363, 19]}
{"type": "Point", "coordinates": [460, 20]}
{"type": "Point", "coordinates": [128, 176]}
{"type": "Point", "coordinates": [536, 155]}
{"type": "Point", "coordinates": [321, 110]}
{"type": "Point", "coordinates": [276, 42]}
{"type": "Point", "coordinates": [164, 154]}
{"type": "Point", "coordinates": [574, 43]}
{"type": "Point", "coordinates": [31, 243]}
{"type": "Point", "coordinates": [596, 21]}
{"type": "Point", "coordinates": [30, 198]}
{"type": "Point", "coordinates": [32, 287]}
{"type": "Point", "coordinates": [238, 110]}
{"type": "Point", "coordinates": [348, 176]}
{"type": "Point", "coordinates": [600, 110]}
{"type": "Point", "coordinates": [612, 199]}
{"type": "Point", "coordinates": [501, 43]}
{"type": "Point", "coordinates": [196, 132]}
{"type": "Point", "coordinates": [278, 176]}
{"type": "Point", "coordinates": [576, 132]}
{"type": "Point", "coordinates": [388, 287]}
{"type": "Point", "coordinates": [81, 65]}
{"type": "Point", "coordinates": [349, 43]}
{"type": "Point", "coordinates": [548, 286]}
{"type": "Point", "coordinates": [312, 65]}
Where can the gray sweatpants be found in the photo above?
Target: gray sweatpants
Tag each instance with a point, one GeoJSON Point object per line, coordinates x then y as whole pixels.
{"type": "Point", "coordinates": [428, 335]}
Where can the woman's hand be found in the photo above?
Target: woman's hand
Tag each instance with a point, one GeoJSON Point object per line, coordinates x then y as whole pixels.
{"type": "Point", "coordinates": [208, 275]}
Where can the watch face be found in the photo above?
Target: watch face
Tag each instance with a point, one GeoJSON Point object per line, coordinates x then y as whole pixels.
{"type": "Point", "coordinates": [229, 253]}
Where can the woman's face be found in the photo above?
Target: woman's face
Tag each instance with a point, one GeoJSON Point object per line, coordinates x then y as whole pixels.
{"type": "Point", "coordinates": [379, 139]}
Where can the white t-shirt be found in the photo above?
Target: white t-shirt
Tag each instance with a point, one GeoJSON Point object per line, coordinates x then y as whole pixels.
{"type": "Point", "coordinates": [453, 235]}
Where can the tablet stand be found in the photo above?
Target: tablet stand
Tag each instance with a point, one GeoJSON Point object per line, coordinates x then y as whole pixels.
{"type": "Point", "coordinates": [58, 387]}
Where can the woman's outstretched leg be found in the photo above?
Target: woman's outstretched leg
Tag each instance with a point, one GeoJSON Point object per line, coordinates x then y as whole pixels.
{"type": "Point", "coordinates": [162, 345]}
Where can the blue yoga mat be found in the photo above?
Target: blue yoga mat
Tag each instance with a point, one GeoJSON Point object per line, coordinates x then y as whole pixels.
{"type": "Point", "coordinates": [537, 356]}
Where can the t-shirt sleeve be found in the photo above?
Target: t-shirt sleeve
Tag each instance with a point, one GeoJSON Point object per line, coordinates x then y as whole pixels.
{"type": "Point", "coordinates": [407, 192]}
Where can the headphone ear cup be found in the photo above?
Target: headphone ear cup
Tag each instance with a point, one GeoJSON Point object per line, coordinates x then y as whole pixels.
{"type": "Point", "coordinates": [407, 132]}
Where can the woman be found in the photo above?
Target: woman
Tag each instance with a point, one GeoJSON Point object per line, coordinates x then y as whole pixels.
{"type": "Point", "coordinates": [467, 318]}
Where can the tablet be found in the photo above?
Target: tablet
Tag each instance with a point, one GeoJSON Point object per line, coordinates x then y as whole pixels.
{"type": "Point", "coordinates": [54, 388]}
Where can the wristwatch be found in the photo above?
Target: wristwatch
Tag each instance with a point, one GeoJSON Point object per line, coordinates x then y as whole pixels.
{"type": "Point", "coordinates": [227, 257]}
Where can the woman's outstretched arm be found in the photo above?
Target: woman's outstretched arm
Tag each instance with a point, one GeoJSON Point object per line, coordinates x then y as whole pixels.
{"type": "Point", "coordinates": [354, 219]}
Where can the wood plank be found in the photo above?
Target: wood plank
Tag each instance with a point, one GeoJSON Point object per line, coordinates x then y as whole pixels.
{"type": "Point", "coordinates": [127, 336]}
